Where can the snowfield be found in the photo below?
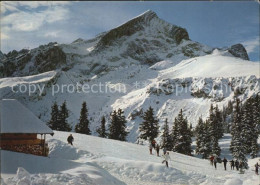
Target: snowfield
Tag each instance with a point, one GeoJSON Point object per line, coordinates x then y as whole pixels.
{"type": "Point", "coordinates": [97, 161]}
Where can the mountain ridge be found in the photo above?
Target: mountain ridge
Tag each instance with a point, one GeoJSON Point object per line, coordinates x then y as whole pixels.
{"type": "Point", "coordinates": [145, 39]}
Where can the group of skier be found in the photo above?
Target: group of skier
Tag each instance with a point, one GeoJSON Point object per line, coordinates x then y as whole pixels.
{"type": "Point", "coordinates": [156, 147]}
{"type": "Point", "coordinates": [239, 165]}
{"type": "Point", "coordinates": [214, 160]}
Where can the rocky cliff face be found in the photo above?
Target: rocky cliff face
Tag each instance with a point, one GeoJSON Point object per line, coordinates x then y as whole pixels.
{"type": "Point", "coordinates": [140, 23]}
{"type": "Point", "coordinates": [238, 50]}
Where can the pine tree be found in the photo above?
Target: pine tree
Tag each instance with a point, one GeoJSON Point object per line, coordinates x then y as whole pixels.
{"type": "Point", "coordinates": [249, 127]}
{"type": "Point", "coordinates": [122, 122]}
{"type": "Point", "coordinates": [113, 127]}
{"type": "Point", "coordinates": [256, 112]}
{"type": "Point", "coordinates": [238, 146]}
{"type": "Point", "coordinates": [215, 147]}
{"type": "Point", "coordinates": [256, 120]}
{"type": "Point", "coordinates": [174, 133]}
{"type": "Point", "coordinates": [213, 130]}
{"type": "Point", "coordinates": [63, 115]}
{"type": "Point", "coordinates": [219, 123]}
{"type": "Point", "coordinates": [83, 125]}
{"type": "Point", "coordinates": [117, 127]}
{"type": "Point", "coordinates": [149, 128]}
{"type": "Point", "coordinates": [166, 137]}
{"type": "Point", "coordinates": [200, 132]}
{"type": "Point", "coordinates": [206, 148]}
{"type": "Point", "coordinates": [248, 130]}
{"type": "Point", "coordinates": [183, 141]}
{"type": "Point", "coordinates": [54, 121]}
{"type": "Point", "coordinates": [102, 129]}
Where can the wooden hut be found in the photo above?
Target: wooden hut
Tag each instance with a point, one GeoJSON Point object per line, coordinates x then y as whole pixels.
{"type": "Point", "coordinates": [21, 130]}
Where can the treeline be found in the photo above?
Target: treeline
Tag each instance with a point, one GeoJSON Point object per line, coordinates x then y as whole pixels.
{"type": "Point", "coordinates": [243, 124]}
{"type": "Point", "coordinates": [209, 132]}
{"type": "Point", "coordinates": [59, 122]}
{"type": "Point", "coordinates": [241, 120]}
{"type": "Point", "coordinates": [177, 139]}
{"type": "Point", "coordinates": [245, 128]}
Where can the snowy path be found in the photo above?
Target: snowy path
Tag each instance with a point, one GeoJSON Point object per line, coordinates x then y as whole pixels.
{"type": "Point", "coordinates": [94, 160]}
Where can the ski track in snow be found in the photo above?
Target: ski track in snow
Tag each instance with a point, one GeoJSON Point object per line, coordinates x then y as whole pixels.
{"type": "Point", "coordinates": [98, 161]}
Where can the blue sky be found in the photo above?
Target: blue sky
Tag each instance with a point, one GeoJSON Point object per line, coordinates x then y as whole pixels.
{"type": "Point", "coordinates": [217, 24]}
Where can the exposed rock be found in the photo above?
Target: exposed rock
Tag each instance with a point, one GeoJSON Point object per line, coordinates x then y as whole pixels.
{"type": "Point", "coordinates": [140, 23]}
{"type": "Point", "coordinates": [50, 59]}
{"type": "Point", "coordinates": [238, 50]}
{"type": "Point", "coordinates": [127, 29]}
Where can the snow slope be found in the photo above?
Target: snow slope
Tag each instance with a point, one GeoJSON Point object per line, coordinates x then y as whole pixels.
{"type": "Point", "coordinates": [94, 160]}
{"type": "Point", "coordinates": [214, 65]}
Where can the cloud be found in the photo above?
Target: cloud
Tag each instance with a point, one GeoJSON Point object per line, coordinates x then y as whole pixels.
{"type": "Point", "coordinates": [252, 45]}
{"type": "Point", "coordinates": [4, 36]}
{"type": "Point", "coordinates": [52, 34]}
{"type": "Point", "coordinates": [13, 6]}
{"type": "Point", "coordinates": [33, 20]}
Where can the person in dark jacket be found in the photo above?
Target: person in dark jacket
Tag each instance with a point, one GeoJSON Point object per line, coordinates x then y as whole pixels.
{"type": "Point", "coordinates": [211, 160]}
{"type": "Point", "coordinates": [256, 168]}
{"type": "Point", "coordinates": [215, 162]}
{"type": "Point", "coordinates": [151, 149]}
{"type": "Point", "coordinates": [157, 149]}
{"type": "Point", "coordinates": [225, 163]}
{"type": "Point", "coordinates": [232, 164]}
{"type": "Point", "coordinates": [70, 139]}
{"type": "Point", "coordinates": [237, 165]}
{"type": "Point", "coordinates": [153, 143]}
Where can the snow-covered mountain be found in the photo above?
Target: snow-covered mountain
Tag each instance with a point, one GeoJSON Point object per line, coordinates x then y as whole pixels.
{"type": "Point", "coordinates": [143, 62]}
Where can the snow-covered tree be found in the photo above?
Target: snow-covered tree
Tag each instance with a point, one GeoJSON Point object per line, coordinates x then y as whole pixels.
{"type": "Point", "coordinates": [238, 146]}
{"type": "Point", "coordinates": [214, 128]}
{"type": "Point", "coordinates": [219, 123]}
{"type": "Point", "coordinates": [149, 128]}
{"type": "Point", "coordinates": [166, 137]}
{"type": "Point", "coordinates": [83, 125]}
{"type": "Point", "coordinates": [200, 134]}
{"type": "Point", "coordinates": [206, 148]}
{"type": "Point", "coordinates": [183, 141]}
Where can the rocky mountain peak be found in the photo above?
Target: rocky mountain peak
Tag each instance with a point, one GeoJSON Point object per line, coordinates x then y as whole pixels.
{"type": "Point", "coordinates": [149, 20]}
{"type": "Point", "coordinates": [238, 50]}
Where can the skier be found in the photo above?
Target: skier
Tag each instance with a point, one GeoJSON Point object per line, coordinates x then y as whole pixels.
{"type": "Point", "coordinates": [215, 162]}
{"type": "Point", "coordinates": [153, 143]}
{"type": "Point", "coordinates": [70, 139]}
{"type": "Point", "coordinates": [157, 149]}
{"type": "Point", "coordinates": [256, 168]}
{"type": "Point", "coordinates": [211, 160]}
{"type": "Point", "coordinates": [164, 151]}
{"type": "Point", "coordinates": [225, 163]}
{"type": "Point", "coordinates": [237, 165]}
{"type": "Point", "coordinates": [151, 148]}
{"type": "Point", "coordinates": [166, 158]}
{"type": "Point", "coordinates": [232, 164]}
{"type": "Point", "coordinates": [241, 166]}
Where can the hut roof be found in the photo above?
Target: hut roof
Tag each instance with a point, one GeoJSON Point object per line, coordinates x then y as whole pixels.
{"type": "Point", "coordinates": [16, 118]}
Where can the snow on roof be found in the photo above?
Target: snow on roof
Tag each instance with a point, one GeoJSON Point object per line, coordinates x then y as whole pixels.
{"type": "Point", "coordinates": [16, 118]}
